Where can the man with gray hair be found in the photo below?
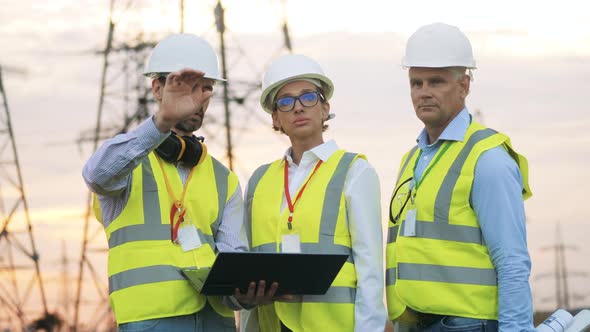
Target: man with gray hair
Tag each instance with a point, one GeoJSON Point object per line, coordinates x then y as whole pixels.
{"type": "Point", "coordinates": [457, 257]}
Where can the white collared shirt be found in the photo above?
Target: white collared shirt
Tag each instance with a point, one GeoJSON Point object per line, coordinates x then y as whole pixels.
{"type": "Point", "coordinates": [363, 211]}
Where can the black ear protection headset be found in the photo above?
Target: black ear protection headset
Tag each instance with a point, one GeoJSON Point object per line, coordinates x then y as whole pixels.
{"type": "Point", "coordinates": [188, 150]}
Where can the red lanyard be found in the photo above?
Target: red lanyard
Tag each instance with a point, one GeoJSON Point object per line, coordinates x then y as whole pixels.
{"type": "Point", "coordinates": [178, 205]}
{"type": "Point", "coordinates": [290, 204]}
{"type": "Point", "coordinates": [175, 225]}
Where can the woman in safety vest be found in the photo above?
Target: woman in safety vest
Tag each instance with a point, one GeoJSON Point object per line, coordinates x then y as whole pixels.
{"type": "Point", "coordinates": [316, 198]}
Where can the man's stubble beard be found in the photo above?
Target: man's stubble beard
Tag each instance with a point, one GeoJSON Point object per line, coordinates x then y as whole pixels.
{"type": "Point", "coordinates": [187, 126]}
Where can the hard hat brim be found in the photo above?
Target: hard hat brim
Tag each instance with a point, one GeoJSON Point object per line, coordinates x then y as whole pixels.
{"type": "Point", "coordinates": [150, 74]}
{"type": "Point", "coordinates": [328, 86]}
{"type": "Point", "coordinates": [407, 64]}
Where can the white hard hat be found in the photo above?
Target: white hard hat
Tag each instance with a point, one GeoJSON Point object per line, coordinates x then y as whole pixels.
{"type": "Point", "coordinates": [180, 51]}
{"type": "Point", "coordinates": [290, 68]}
{"type": "Point", "coordinates": [438, 45]}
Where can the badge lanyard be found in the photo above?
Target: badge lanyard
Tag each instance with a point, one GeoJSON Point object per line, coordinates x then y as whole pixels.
{"type": "Point", "coordinates": [439, 154]}
{"type": "Point", "coordinates": [290, 204]}
{"type": "Point", "coordinates": [410, 218]}
{"type": "Point", "coordinates": [430, 166]}
{"type": "Point", "coordinates": [178, 205]}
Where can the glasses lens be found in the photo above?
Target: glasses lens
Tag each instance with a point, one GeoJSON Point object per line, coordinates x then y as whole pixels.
{"type": "Point", "coordinates": [400, 199]}
{"type": "Point", "coordinates": [285, 104]}
{"type": "Point", "coordinates": [309, 99]}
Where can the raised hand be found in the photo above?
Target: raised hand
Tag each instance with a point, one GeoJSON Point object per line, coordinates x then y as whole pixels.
{"type": "Point", "coordinates": [182, 96]}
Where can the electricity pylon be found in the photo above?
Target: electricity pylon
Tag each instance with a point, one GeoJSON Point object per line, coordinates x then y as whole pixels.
{"type": "Point", "coordinates": [242, 73]}
{"type": "Point", "coordinates": [20, 276]}
{"type": "Point", "coordinates": [561, 274]}
{"type": "Point", "coordinates": [125, 100]}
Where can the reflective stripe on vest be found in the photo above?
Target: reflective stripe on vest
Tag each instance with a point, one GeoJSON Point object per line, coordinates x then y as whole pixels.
{"type": "Point", "coordinates": [390, 276]}
{"type": "Point", "coordinates": [221, 174]}
{"type": "Point", "coordinates": [328, 223]}
{"type": "Point", "coordinates": [392, 233]}
{"type": "Point", "coordinates": [335, 294]}
{"type": "Point", "coordinates": [144, 275]}
{"type": "Point", "coordinates": [440, 229]}
{"type": "Point", "coordinates": [453, 274]}
{"type": "Point", "coordinates": [445, 231]}
{"type": "Point", "coordinates": [442, 205]}
{"type": "Point", "coordinates": [252, 184]}
{"type": "Point", "coordinates": [153, 229]}
{"type": "Point", "coordinates": [448, 274]}
{"type": "Point", "coordinates": [391, 236]}
{"type": "Point", "coordinates": [143, 232]}
{"type": "Point", "coordinates": [403, 168]}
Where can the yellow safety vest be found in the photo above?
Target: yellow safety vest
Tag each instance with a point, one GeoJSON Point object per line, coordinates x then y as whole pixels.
{"type": "Point", "coordinates": [145, 281]}
{"type": "Point", "coordinates": [320, 220]}
{"type": "Point", "coordinates": [445, 268]}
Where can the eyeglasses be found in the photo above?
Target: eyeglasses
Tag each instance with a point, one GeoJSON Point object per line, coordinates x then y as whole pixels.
{"type": "Point", "coordinates": [400, 199]}
{"type": "Point", "coordinates": [307, 99]}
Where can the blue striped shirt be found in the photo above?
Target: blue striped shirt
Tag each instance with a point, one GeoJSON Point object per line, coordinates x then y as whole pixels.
{"type": "Point", "coordinates": [109, 170]}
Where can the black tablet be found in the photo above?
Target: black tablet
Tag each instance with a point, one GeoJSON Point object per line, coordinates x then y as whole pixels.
{"type": "Point", "coordinates": [297, 274]}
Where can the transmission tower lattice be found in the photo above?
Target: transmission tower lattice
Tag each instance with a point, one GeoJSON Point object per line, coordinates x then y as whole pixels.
{"type": "Point", "coordinates": [564, 296]}
{"type": "Point", "coordinates": [242, 86]}
{"type": "Point", "coordinates": [20, 276]}
{"type": "Point", "coordinates": [125, 101]}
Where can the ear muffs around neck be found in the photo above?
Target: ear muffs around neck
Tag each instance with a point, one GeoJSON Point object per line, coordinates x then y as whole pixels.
{"type": "Point", "coordinates": [186, 150]}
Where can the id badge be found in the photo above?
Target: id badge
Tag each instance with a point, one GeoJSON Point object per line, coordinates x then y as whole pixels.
{"type": "Point", "coordinates": [188, 238]}
{"type": "Point", "coordinates": [410, 223]}
{"type": "Point", "coordinates": [291, 243]}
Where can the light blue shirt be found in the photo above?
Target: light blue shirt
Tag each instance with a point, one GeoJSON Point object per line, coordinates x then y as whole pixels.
{"type": "Point", "coordinates": [496, 197]}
